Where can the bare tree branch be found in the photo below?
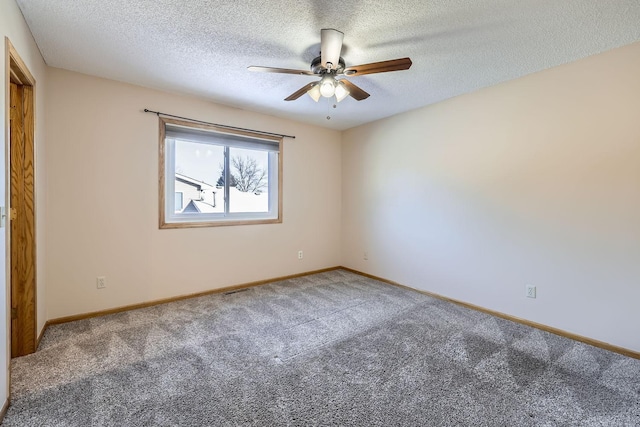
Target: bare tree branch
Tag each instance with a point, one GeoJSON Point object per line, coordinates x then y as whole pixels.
{"type": "Point", "coordinates": [248, 176]}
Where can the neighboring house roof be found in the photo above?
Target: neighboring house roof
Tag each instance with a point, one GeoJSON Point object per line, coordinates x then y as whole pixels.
{"type": "Point", "coordinates": [197, 206]}
{"type": "Point", "coordinates": [200, 185]}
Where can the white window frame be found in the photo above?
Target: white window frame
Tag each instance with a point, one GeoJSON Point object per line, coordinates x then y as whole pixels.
{"type": "Point", "coordinates": [228, 139]}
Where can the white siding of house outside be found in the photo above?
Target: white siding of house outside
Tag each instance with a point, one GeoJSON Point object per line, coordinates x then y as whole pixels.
{"type": "Point", "coordinates": [191, 192]}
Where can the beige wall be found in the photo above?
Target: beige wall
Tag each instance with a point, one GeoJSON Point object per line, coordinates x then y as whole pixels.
{"type": "Point", "coordinates": [102, 195]}
{"type": "Point", "coordinates": [13, 26]}
{"type": "Point", "coordinates": [533, 181]}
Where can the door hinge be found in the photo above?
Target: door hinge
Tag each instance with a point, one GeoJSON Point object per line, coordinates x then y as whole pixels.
{"type": "Point", "coordinates": [14, 313]}
{"type": "Point", "coordinates": [13, 213]}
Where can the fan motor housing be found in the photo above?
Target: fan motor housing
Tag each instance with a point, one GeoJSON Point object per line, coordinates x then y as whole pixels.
{"type": "Point", "coordinates": [317, 68]}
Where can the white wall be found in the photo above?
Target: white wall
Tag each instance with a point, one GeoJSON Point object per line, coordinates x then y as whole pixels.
{"type": "Point", "coordinates": [13, 26]}
{"type": "Point", "coordinates": [532, 181]}
{"type": "Point", "coordinates": [102, 212]}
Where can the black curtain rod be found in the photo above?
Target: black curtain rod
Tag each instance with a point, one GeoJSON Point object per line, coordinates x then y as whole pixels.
{"type": "Point", "coordinates": [158, 113]}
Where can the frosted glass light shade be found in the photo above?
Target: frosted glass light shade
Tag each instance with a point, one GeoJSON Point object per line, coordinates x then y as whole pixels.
{"type": "Point", "coordinates": [327, 86]}
{"type": "Point", "coordinates": [341, 91]}
{"type": "Point", "coordinates": [314, 92]}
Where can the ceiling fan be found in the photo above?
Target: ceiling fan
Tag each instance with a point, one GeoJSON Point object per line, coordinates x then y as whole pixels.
{"type": "Point", "coordinates": [329, 65]}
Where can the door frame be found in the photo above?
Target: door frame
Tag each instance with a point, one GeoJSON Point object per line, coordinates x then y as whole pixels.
{"type": "Point", "coordinates": [22, 295]}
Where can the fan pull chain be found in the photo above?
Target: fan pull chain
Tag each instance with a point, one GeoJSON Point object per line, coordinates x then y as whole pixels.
{"type": "Point", "coordinates": [328, 110]}
{"type": "Point", "coordinates": [329, 107]}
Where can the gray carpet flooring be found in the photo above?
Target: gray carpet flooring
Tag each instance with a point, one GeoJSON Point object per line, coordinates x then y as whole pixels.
{"type": "Point", "coordinates": [330, 349]}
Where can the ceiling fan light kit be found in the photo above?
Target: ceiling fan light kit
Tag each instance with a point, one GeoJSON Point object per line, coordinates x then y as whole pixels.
{"type": "Point", "coordinates": [329, 65]}
{"type": "Point", "coordinates": [327, 85]}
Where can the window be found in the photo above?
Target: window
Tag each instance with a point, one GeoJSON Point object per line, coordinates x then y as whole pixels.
{"type": "Point", "coordinates": [212, 176]}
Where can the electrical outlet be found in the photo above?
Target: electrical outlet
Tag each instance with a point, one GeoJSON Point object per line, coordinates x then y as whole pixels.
{"type": "Point", "coordinates": [366, 255]}
{"type": "Point", "coordinates": [101, 282]}
{"type": "Point", "coordinates": [300, 255]}
{"type": "Point", "coordinates": [530, 291]}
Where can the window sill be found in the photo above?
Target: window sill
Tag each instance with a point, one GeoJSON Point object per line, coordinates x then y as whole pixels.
{"type": "Point", "coordinates": [223, 223]}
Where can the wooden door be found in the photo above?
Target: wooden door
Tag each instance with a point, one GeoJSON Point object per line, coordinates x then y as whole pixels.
{"type": "Point", "coordinates": [22, 212]}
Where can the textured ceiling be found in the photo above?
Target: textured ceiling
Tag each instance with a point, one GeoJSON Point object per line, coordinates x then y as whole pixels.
{"type": "Point", "coordinates": [203, 47]}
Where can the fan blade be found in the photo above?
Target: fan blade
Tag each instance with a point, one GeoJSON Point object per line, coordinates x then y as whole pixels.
{"type": "Point", "coordinates": [330, 47]}
{"type": "Point", "coordinates": [355, 92]}
{"type": "Point", "coordinates": [297, 94]}
{"type": "Point", "coordinates": [279, 70]}
{"type": "Point", "coordinates": [379, 67]}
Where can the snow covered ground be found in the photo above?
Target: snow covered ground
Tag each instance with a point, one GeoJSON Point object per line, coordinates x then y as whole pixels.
{"type": "Point", "coordinates": [238, 202]}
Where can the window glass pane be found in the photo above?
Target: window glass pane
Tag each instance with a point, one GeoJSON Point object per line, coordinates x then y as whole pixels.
{"type": "Point", "coordinates": [249, 191]}
{"type": "Point", "coordinates": [198, 169]}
